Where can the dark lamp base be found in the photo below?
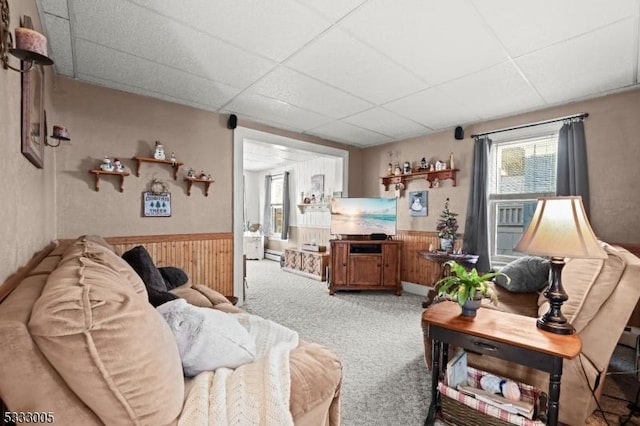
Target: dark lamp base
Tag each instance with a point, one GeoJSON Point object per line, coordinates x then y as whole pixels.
{"type": "Point", "coordinates": [554, 327]}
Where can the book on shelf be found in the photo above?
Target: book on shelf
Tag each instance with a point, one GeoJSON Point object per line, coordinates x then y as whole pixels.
{"type": "Point", "coordinates": [522, 408]}
{"type": "Point", "coordinates": [456, 372]}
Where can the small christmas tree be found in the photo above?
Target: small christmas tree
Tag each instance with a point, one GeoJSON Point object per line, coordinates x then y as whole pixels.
{"type": "Point", "coordinates": [447, 224]}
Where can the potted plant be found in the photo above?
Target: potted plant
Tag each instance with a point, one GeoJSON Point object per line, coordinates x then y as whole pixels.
{"type": "Point", "coordinates": [467, 287]}
{"type": "Point", "coordinates": [447, 228]}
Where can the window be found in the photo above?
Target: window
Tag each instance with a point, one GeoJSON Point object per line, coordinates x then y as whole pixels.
{"type": "Point", "coordinates": [520, 172]}
{"type": "Point", "coordinates": [276, 206]}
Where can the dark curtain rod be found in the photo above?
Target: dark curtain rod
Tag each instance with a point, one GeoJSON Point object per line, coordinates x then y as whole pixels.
{"type": "Point", "coordinates": [537, 123]}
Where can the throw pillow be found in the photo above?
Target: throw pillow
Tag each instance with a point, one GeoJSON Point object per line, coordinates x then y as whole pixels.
{"type": "Point", "coordinates": [207, 338]}
{"type": "Point", "coordinates": [528, 274]}
{"type": "Point", "coordinates": [141, 261]}
{"type": "Point", "coordinates": [173, 277]}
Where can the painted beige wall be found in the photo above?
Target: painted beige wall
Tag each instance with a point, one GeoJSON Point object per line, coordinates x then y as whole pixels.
{"type": "Point", "coordinates": [612, 133]}
{"type": "Point", "coordinates": [104, 122]}
{"type": "Point", "coordinates": [27, 217]}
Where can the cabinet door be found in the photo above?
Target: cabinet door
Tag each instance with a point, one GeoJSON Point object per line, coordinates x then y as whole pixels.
{"type": "Point", "coordinates": [339, 256]}
{"type": "Point", "coordinates": [364, 269]}
{"type": "Point", "coordinates": [390, 265]}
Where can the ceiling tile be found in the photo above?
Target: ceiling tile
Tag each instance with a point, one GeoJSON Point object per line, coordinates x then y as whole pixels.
{"type": "Point", "coordinates": [525, 29]}
{"type": "Point", "coordinates": [305, 92]}
{"type": "Point", "coordinates": [349, 134]}
{"type": "Point", "coordinates": [101, 62]}
{"type": "Point", "coordinates": [587, 65]}
{"type": "Point", "coordinates": [342, 61]}
{"type": "Point", "coordinates": [332, 9]}
{"type": "Point", "coordinates": [55, 7]}
{"type": "Point", "coordinates": [438, 40]}
{"type": "Point", "coordinates": [274, 29]}
{"type": "Point", "coordinates": [129, 28]}
{"type": "Point", "coordinates": [433, 108]}
{"type": "Point", "coordinates": [387, 123]}
{"type": "Point", "coordinates": [60, 43]}
{"type": "Point", "coordinates": [494, 92]}
{"type": "Point", "coordinates": [143, 92]}
{"type": "Point", "coordinates": [275, 111]}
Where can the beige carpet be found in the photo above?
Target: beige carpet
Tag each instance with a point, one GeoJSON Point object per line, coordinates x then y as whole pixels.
{"type": "Point", "coordinates": [379, 340]}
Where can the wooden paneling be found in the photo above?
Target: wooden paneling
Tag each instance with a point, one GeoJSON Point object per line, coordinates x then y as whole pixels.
{"type": "Point", "coordinates": [415, 268]}
{"type": "Point", "coordinates": [206, 258]}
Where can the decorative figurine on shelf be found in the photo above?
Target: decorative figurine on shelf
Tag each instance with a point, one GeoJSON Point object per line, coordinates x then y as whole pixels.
{"type": "Point", "coordinates": [172, 157]}
{"type": "Point", "coordinates": [191, 173]}
{"type": "Point", "coordinates": [451, 163]}
{"type": "Point", "coordinates": [441, 165]}
{"type": "Point", "coordinates": [397, 170]}
{"type": "Point", "coordinates": [159, 152]}
{"type": "Point", "coordinates": [202, 175]}
{"type": "Point", "coordinates": [432, 167]}
{"type": "Point", "coordinates": [313, 198]}
{"type": "Point", "coordinates": [423, 164]}
{"type": "Point", "coordinates": [209, 176]}
{"type": "Point", "coordinates": [389, 169]}
{"type": "Point", "coordinates": [107, 165]}
{"type": "Point", "coordinates": [118, 165]}
{"type": "Point", "coordinates": [406, 167]}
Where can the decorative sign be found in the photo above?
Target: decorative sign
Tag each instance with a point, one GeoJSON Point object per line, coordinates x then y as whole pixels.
{"type": "Point", "coordinates": [156, 205]}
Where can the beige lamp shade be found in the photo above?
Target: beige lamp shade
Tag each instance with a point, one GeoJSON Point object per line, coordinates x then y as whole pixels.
{"type": "Point", "coordinates": [560, 228]}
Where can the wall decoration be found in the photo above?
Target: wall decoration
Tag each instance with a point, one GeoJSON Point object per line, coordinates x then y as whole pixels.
{"type": "Point", "coordinates": [418, 203]}
{"type": "Point", "coordinates": [156, 205]}
{"type": "Point", "coordinates": [33, 130]}
{"type": "Point", "coordinates": [317, 185]}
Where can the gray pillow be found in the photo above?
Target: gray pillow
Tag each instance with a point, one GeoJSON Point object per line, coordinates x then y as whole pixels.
{"type": "Point", "coordinates": [528, 274]}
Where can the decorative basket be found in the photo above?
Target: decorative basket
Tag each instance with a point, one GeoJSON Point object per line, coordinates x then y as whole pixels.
{"type": "Point", "coordinates": [461, 409]}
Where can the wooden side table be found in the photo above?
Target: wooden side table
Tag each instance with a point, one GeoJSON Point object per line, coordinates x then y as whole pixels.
{"type": "Point", "coordinates": [466, 260]}
{"type": "Point", "coordinates": [499, 334]}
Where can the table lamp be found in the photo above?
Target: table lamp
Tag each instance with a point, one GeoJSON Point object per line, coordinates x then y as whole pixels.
{"type": "Point", "coordinates": [559, 228]}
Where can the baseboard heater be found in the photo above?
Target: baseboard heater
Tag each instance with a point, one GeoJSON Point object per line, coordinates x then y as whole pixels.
{"type": "Point", "coordinates": [272, 255]}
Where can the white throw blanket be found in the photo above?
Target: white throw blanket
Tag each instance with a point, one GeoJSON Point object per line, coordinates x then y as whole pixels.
{"type": "Point", "coordinates": [256, 393]}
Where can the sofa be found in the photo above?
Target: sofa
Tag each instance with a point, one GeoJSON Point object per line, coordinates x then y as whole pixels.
{"type": "Point", "coordinates": [602, 296]}
{"type": "Point", "coordinates": [82, 342]}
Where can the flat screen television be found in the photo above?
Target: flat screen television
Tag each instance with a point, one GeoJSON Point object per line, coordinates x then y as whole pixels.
{"type": "Point", "coordinates": [363, 216]}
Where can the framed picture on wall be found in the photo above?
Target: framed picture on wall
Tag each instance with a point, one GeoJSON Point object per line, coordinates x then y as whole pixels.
{"type": "Point", "coordinates": [317, 185]}
{"type": "Point", "coordinates": [33, 126]}
{"type": "Point", "coordinates": [156, 204]}
{"type": "Point", "coordinates": [418, 203]}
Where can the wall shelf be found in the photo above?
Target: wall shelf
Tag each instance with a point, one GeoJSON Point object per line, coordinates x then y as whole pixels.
{"type": "Point", "coordinates": [97, 174]}
{"type": "Point", "coordinates": [313, 207]}
{"type": "Point", "coordinates": [175, 165]}
{"type": "Point", "coordinates": [430, 176]}
{"type": "Point", "coordinates": [206, 182]}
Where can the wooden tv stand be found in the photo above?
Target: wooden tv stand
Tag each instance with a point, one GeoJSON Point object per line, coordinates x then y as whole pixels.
{"type": "Point", "coordinates": [365, 265]}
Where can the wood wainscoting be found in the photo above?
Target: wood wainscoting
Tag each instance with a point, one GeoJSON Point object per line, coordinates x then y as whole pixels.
{"type": "Point", "coordinates": [415, 268]}
{"type": "Point", "coordinates": [206, 258]}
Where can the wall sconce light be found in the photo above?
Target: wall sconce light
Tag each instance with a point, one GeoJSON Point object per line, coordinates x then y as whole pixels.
{"type": "Point", "coordinates": [559, 228]}
{"type": "Point", "coordinates": [31, 46]}
{"type": "Point", "coordinates": [60, 134]}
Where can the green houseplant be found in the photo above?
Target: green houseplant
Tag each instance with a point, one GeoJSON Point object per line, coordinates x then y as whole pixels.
{"type": "Point", "coordinates": [467, 287]}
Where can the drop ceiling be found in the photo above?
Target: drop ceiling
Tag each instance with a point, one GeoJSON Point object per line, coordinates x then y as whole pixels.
{"type": "Point", "coordinates": [361, 72]}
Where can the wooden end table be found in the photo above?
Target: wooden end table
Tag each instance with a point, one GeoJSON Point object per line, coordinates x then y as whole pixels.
{"type": "Point", "coordinates": [466, 260]}
{"type": "Point", "coordinates": [499, 334]}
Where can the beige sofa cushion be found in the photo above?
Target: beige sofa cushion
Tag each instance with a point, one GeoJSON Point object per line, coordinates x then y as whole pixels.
{"type": "Point", "coordinates": [91, 247]}
{"type": "Point", "coordinates": [106, 341]}
{"type": "Point", "coordinates": [588, 283]}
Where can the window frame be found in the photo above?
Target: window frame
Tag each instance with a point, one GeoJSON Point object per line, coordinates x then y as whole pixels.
{"type": "Point", "coordinates": [495, 199]}
{"type": "Point", "coordinates": [274, 225]}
